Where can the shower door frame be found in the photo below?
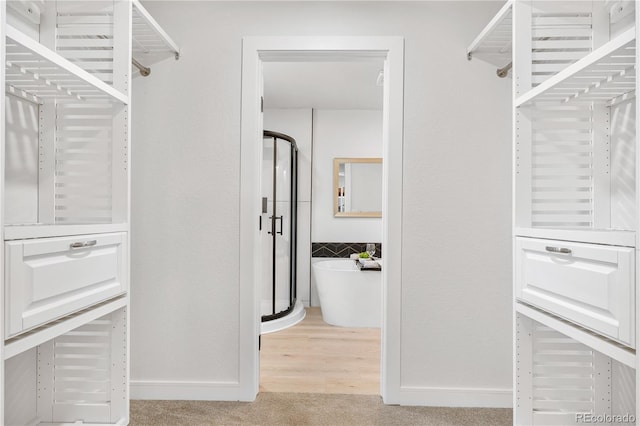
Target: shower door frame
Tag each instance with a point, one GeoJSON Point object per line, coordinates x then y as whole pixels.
{"type": "Point", "coordinates": [293, 224]}
{"type": "Point", "coordinates": [255, 51]}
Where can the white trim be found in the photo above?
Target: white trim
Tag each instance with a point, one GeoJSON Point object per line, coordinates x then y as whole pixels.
{"type": "Point", "coordinates": [230, 391]}
{"type": "Point", "coordinates": [255, 51]}
{"type": "Point", "coordinates": [3, 20]}
{"type": "Point", "coordinates": [185, 390]}
{"type": "Point", "coordinates": [392, 172]}
{"type": "Point", "coordinates": [637, 242]}
{"type": "Point", "coordinates": [457, 397]}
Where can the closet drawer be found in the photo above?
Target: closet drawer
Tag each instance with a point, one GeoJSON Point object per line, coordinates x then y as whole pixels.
{"type": "Point", "coordinates": [589, 284]}
{"type": "Point", "coordinates": [48, 278]}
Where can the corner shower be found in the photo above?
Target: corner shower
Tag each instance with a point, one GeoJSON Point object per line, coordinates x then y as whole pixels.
{"type": "Point", "coordinates": [278, 224]}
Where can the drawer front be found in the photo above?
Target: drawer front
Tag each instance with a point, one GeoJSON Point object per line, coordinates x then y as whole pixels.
{"type": "Point", "coordinates": [589, 284]}
{"type": "Point", "coordinates": [48, 278]}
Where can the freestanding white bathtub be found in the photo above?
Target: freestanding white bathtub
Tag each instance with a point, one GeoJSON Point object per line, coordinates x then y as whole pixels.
{"type": "Point", "coordinates": [348, 296]}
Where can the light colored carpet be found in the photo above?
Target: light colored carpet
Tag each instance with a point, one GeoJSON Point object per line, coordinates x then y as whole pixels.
{"type": "Point", "coordinates": [309, 409]}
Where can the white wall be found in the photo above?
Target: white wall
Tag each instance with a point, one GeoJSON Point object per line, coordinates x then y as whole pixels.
{"type": "Point", "coordinates": [323, 85]}
{"type": "Point", "coordinates": [342, 133]}
{"type": "Point", "coordinates": [456, 291]}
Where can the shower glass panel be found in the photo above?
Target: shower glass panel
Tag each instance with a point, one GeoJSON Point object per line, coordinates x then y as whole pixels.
{"type": "Point", "coordinates": [279, 192]}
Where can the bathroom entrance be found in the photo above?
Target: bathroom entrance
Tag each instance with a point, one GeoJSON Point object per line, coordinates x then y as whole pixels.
{"type": "Point", "coordinates": [333, 110]}
{"type": "Point", "coordinates": [256, 52]}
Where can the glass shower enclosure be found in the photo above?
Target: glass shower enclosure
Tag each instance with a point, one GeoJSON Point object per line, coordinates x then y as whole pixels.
{"type": "Point", "coordinates": [278, 224]}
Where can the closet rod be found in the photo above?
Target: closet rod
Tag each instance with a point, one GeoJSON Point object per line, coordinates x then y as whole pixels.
{"type": "Point", "coordinates": [144, 71]}
{"type": "Point", "coordinates": [504, 71]}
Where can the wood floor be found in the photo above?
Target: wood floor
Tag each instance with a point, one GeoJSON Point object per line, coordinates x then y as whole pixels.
{"type": "Point", "coordinates": [314, 357]}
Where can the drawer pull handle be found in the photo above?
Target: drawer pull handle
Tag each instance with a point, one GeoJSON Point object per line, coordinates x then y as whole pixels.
{"type": "Point", "coordinates": [82, 244]}
{"type": "Point", "coordinates": [562, 250]}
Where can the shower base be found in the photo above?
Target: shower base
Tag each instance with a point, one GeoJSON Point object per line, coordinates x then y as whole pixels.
{"type": "Point", "coordinates": [294, 317]}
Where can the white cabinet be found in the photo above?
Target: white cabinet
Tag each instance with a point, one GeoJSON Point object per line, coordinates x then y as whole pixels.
{"type": "Point", "coordinates": [78, 377]}
{"type": "Point", "coordinates": [575, 209]}
{"type": "Point", "coordinates": [52, 277]}
{"type": "Point", "coordinates": [590, 284]}
{"type": "Point", "coordinates": [65, 197]}
{"type": "Point", "coordinates": [65, 219]}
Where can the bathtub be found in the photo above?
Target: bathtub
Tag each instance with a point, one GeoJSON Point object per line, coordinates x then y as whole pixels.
{"type": "Point", "coordinates": [348, 296]}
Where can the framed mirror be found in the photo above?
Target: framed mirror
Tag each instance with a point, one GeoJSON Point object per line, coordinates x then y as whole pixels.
{"type": "Point", "coordinates": [357, 187]}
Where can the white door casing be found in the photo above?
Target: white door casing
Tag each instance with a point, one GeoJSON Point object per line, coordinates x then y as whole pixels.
{"type": "Point", "coordinates": [257, 50]}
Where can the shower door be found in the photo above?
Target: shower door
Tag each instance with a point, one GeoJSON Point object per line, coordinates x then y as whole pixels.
{"type": "Point", "coordinates": [278, 224]}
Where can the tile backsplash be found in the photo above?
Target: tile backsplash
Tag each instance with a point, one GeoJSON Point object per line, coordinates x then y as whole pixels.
{"type": "Point", "coordinates": [341, 249]}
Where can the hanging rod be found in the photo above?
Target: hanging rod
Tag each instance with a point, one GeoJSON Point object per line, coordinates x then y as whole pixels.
{"type": "Point", "coordinates": [504, 71]}
{"type": "Point", "coordinates": [144, 71]}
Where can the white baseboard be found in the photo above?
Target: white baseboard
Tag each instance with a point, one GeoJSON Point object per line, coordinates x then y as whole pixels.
{"type": "Point", "coordinates": [183, 390]}
{"type": "Point", "coordinates": [455, 397]}
{"type": "Point", "coordinates": [231, 391]}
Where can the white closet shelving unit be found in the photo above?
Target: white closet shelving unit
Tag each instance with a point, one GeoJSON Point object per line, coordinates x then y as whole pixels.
{"type": "Point", "coordinates": [64, 189]}
{"type": "Point", "coordinates": [575, 211]}
{"type": "Point", "coordinates": [494, 43]}
{"type": "Point", "coordinates": [151, 43]}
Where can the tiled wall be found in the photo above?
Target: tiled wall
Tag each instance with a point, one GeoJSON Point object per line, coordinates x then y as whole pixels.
{"type": "Point", "coordinates": [341, 249]}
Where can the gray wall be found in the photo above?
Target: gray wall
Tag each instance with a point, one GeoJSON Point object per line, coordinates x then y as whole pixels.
{"type": "Point", "coordinates": [456, 291]}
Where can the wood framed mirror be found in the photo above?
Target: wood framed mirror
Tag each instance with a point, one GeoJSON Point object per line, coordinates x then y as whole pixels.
{"type": "Point", "coordinates": [357, 187]}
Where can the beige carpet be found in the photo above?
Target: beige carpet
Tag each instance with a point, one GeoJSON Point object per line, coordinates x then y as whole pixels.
{"type": "Point", "coordinates": [309, 409]}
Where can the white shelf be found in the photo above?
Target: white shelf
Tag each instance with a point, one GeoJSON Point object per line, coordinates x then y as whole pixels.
{"type": "Point", "coordinates": [31, 339]}
{"type": "Point", "coordinates": [612, 237]}
{"type": "Point", "coordinates": [493, 44]}
{"type": "Point", "coordinates": [150, 42]}
{"type": "Point", "coordinates": [603, 75]}
{"type": "Point", "coordinates": [620, 353]}
{"type": "Point", "coordinates": [37, 74]}
{"type": "Point", "coordinates": [21, 232]}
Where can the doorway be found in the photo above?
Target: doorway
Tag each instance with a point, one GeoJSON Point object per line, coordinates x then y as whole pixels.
{"type": "Point", "coordinates": [257, 50]}
{"type": "Point", "coordinates": [332, 110]}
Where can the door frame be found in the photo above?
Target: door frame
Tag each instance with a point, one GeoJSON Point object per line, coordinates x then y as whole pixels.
{"type": "Point", "coordinates": [255, 51]}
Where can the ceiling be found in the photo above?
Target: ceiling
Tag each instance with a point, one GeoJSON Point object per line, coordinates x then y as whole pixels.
{"type": "Point", "coordinates": [324, 85]}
